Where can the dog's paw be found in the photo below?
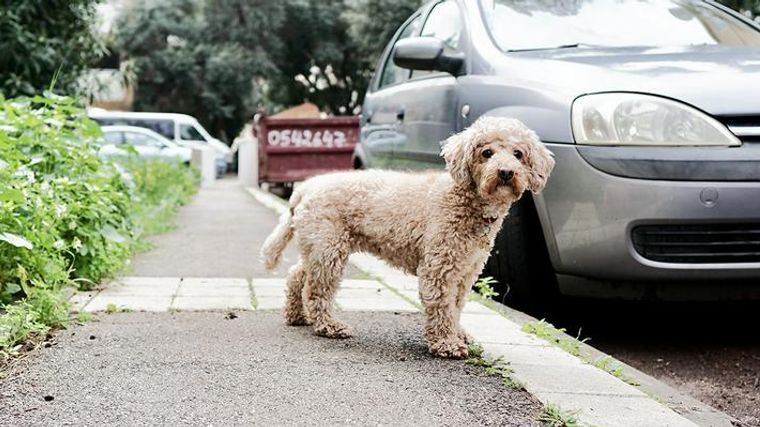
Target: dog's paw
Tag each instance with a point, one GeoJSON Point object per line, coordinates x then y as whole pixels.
{"type": "Point", "coordinates": [333, 330]}
{"type": "Point", "coordinates": [451, 348]}
{"type": "Point", "coordinates": [464, 336]}
{"type": "Point", "coordinates": [297, 321]}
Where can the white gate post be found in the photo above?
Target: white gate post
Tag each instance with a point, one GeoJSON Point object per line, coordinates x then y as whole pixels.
{"type": "Point", "coordinates": [248, 163]}
{"type": "Point", "coordinates": [204, 158]}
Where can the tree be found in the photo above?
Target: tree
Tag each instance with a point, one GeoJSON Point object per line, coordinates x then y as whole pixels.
{"type": "Point", "coordinates": [202, 58]}
{"type": "Point", "coordinates": [219, 60]}
{"type": "Point", "coordinates": [43, 42]}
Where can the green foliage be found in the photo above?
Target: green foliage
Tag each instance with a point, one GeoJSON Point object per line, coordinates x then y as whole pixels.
{"type": "Point", "coordinates": [202, 58]}
{"type": "Point", "coordinates": [39, 38]}
{"type": "Point", "coordinates": [553, 416]}
{"type": "Point", "coordinates": [493, 367]}
{"type": "Point", "coordinates": [548, 332]}
{"type": "Point", "coordinates": [484, 286]}
{"type": "Point", "coordinates": [67, 216]}
{"type": "Point", "coordinates": [219, 60]}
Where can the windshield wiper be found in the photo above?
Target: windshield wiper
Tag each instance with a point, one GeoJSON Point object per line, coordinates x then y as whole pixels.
{"type": "Point", "coordinates": [562, 46]}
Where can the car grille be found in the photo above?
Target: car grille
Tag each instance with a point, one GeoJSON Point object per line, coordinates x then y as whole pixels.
{"type": "Point", "coordinates": [746, 128]}
{"type": "Point", "coordinates": [698, 243]}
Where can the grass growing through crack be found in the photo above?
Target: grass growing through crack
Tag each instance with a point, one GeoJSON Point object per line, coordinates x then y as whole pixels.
{"type": "Point", "coordinates": [553, 416]}
{"type": "Point", "coordinates": [493, 367]}
{"type": "Point", "coordinates": [548, 332]}
{"type": "Point", "coordinates": [606, 364]}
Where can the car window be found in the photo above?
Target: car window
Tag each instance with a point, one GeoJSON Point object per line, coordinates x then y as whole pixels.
{"type": "Point", "coordinates": [113, 138]}
{"type": "Point", "coordinates": [164, 128]}
{"type": "Point", "coordinates": [140, 140]}
{"type": "Point", "coordinates": [391, 72]}
{"type": "Point", "coordinates": [190, 133]}
{"type": "Point", "coordinates": [444, 23]}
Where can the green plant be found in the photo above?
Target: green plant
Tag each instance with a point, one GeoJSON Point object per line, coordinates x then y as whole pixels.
{"type": "Point", "coordinates": [606, 364]}
{"type": "Point", "coordinates": [484, 286]}
{"type": "Point", "coordinates": [553, 416]}
{"type": "Point", "coordinates": [84, 317]}
{"type": "Point", "coordinates": [548, 332]}
{"type": "Point", "coordinates": [67, 216]}
{"type": "Point", "coordinates": [493, 367]}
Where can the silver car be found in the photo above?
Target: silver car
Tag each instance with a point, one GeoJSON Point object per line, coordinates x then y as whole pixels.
{"type": "Point", "coordinates": [652, 110]}
{"type": "Point", "coordinates": [145, 142]}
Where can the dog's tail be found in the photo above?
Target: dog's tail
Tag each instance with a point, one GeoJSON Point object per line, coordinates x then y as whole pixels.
{"type": "Point", "coordinates": [271, 252]}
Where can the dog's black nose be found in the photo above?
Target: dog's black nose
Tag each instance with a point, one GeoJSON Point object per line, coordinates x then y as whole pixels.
{"type": "Point", "coordinates": [505, 175]}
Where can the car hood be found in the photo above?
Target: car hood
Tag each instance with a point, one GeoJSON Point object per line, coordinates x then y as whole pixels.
{"type": "Point", "coordinates": [716, 79]}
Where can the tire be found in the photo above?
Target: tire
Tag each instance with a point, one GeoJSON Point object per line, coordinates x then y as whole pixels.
{"type": "Point", "coordinates": [520, 261]}
{"type": "Point", "coordinates": [283, 190]}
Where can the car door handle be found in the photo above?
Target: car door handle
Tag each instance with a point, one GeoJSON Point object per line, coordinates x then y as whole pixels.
{"type": "Point", "coordinates": [400, 115]}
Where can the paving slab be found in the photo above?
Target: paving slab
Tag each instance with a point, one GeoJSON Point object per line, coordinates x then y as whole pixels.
{"type": "Point", "coordinates": [212, 302]}
{"type": "Point", "coordinates": [619, 411]}
{"type": "Point", "coordinates": [133, 303]}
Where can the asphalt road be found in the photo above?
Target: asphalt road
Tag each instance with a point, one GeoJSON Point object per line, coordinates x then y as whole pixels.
{"type": "Point", "coordinates": [710, 351]}
{"type": "Point", "coordinates": [204, 369]}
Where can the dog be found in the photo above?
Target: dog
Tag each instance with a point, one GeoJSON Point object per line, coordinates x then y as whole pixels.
{"type": "Point", "coordinates": [438, 226]}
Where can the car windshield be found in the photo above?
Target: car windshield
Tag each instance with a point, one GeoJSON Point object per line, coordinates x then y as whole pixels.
{"type": "Point", "coordinates": [548, 24]}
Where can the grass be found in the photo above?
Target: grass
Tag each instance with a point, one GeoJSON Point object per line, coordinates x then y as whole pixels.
{"type": "Point", "coordinates": [548, 332]}
{"type": "Point", "coordinates": [553, 416]}
{"type": "Point", "coordinates": [493, 367]}
{"type": "Point", "coordinates": [607, 364]}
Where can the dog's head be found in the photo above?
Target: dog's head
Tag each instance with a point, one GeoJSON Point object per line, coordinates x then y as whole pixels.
{"type": "Point", "coordinates": [500, 158]}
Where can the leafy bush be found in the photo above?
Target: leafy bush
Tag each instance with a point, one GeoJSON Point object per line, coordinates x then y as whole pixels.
{"type": "Point", "coordinates": [68, 216]}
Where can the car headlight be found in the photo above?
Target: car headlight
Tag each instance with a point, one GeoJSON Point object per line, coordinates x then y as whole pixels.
{"type": "Point", "coordinates": [630, 119]}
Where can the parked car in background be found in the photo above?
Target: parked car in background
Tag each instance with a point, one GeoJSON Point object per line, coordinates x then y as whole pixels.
{"type": "Point", "coordinates": [146, 142]}
{"type": "Point", "coordinates": [650, 108]}
{"type": "Point", "coordinates": [182, 129]}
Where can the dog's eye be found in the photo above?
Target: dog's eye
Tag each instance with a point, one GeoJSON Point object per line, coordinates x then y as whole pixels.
{"type": "Point", "coordinates": [518, 154]}
{"type": "Point", "coordinates": [487, 153]}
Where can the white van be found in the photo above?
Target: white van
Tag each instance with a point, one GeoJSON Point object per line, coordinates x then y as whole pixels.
{"type": "Point", "coordinates": [183, 129]}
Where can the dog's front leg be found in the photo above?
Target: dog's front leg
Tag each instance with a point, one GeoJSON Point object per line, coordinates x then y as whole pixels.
{"type": "Point", "coordinates": [442, 331]}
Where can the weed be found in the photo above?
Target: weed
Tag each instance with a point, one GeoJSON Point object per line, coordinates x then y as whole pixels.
{"type": "Point", "coordinates": [84, 317]}
{"type": "Point", "coordinates": [493, 367]}
{"type": "Point", "coordinates": [553, 416]}
{"type": "Point", "coordinates": [111, 308]}
{"type": "Point", "coordinates": [548, 332]}
{"type": "Point", "coordinates": [606, 364]}
{"type": "Point", "coordinates": [484, 286]}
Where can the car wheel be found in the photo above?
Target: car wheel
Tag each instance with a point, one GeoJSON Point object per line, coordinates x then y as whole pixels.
{"type": "Point", "coordinates": [520, 261]}
{"type": "Point", "coordinates": [283, 190]}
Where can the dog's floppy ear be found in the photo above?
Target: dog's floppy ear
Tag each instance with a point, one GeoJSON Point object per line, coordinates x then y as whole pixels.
{"type": "Point", "coordinates": [542, 163]}
{"type": "Point", "coordinates": [456, 152]}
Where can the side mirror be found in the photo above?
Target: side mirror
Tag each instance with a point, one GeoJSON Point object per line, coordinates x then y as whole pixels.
{"type": "Point", "coordinates": [427, 53]}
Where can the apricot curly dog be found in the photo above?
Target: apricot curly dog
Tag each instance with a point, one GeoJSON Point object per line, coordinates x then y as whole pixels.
{"type": "Point", "coordinates": [438, 226]}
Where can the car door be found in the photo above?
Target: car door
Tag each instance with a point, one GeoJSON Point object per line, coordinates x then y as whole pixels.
{"type": "Point", "coordinates": [381, 127]}
{"type": "Point", "coordinates": [111, 143]}
{"type": "Point", "coordinates": [430, 106]}
{"type": "Point", "coordinates": [145, 145]}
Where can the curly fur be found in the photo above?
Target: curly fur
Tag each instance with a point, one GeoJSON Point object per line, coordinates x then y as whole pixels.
{"type": "Point", "coordinates": [438, 226]}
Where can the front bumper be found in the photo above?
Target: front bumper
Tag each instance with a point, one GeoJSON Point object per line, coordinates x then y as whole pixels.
{"type": "Point", "coordinates": [588, 217]}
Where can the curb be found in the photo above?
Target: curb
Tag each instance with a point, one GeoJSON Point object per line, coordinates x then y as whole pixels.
{"type": "Point", "coordinates": [552, 375]}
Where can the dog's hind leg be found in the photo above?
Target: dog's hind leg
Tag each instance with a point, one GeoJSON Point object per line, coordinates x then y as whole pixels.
{"type": "Point", "coordinates": [294, 310]}
{"type": "Point", "coordinates": [324, 270]}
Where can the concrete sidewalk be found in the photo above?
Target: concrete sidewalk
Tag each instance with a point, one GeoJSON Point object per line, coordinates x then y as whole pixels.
{"type": "Point", "coordinates": [202, 344]}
